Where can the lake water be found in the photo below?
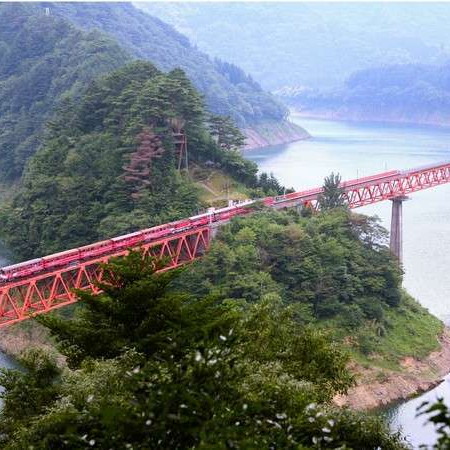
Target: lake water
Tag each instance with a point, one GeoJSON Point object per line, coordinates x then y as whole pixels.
{"type": "Point", "coordinates": [360, 149]}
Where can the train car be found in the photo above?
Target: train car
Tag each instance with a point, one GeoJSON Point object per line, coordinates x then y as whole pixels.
{"type": "Point", "coordinates": [156, 233]}
{"type": "Point", "coordinates": [128, 240]}
{"type": "Point", "coordinates": [20, 270]}
{"type": "Point", "coordinates": [202, 219]}
{"type": "Point", "coordinates": [97, 249]}
{"type": "Point", "coordinates": [60, 259]}
{"type": "Point", "coordinates": [227, 213]}
{"type": "Point", "coordinates": [180, 225]}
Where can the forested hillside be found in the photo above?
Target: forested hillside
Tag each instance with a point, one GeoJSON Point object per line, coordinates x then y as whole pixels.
{"type": "Point", "coordinates": [335, 268]}
{"type": "Point", "coordinates": [43, 59]}
{"type": "Point", "coordinates": [107, 165]}
{"type": "Point", "coordinates": [312, 44]}
{"type": "Point", "coordinates": [227, 89]}
{"type": "Point", "coordinates": [409, 93]}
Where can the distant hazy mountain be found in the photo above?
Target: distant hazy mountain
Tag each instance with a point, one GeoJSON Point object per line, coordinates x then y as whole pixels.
{"type": "Point", "coordinates": [412, 93]}
{"type": "Point", "coordinates": [227, 89]}
{"type": "Point", "coordinates": [312, 44]}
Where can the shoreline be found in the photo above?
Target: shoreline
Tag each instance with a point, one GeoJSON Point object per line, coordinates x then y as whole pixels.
{"type": "Point", "coordinates": [26, 335]}
{"type": "Point", "coordinates": [271, 133]}
{"type": "Point", "coordinates": [356, 118]}
{"type": "Point", "coordinates": [377, 388]}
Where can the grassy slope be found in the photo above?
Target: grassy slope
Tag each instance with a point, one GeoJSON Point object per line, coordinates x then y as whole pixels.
{"type": "Point", "coordinates": [216, 187]}
{"type": "Point", "coordinates": [412, 332]}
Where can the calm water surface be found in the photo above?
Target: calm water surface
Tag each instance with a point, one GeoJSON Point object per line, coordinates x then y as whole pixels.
{"type": "Point", "coordinates": [357, 150]}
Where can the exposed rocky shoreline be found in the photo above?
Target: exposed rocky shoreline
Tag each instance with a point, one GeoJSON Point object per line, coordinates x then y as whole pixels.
{"type": "Point", "coordinates": [273, 133]}
{"type": "Point", "coordinates": [376, 387]}
{"type": "Point", "coordinates": [26, 335]}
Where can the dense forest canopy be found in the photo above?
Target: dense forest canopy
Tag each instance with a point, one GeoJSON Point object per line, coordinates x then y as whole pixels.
{"type": "Point", "coordinates": [43, 59]}
{"type": "Point", "coordinates": [108, 166]}
{"type": "Point", "coordinates": [226, 88]}
{"type": "Point", "coordinates": [334, 269]}
{"type": "Point", "coordinates": [150, 366]}
{"type": "Point", "coordinates": [312, 44]}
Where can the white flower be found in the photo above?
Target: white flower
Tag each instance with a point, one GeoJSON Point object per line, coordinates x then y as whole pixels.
{"type": "Point", "coordinates": [90, 398]}
{"type": "Point", "coordinates": [310, 406]}
{"type": "Point", "coordinates": [281, 416]}
{"type": "Point", "coordinates": [198, 356]}
{"type": "Point", "coordinates": [331, 422]}
{"type": "Point", "coordinates": [245, 406]}
{"type": "Point", "coordinates": [148, 422]}
{"type": "Point", "coordinates": [222, 337]}
{"type": "Point", "coordinates": [311, 419]}
{"type": "Point", "coordinates": [326, 430]}
{"type": "Point", "coordinates": [92, 442]}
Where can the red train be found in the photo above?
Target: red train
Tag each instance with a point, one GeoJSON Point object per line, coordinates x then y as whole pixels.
{"type": "Point", "coordinates": [74, 256]}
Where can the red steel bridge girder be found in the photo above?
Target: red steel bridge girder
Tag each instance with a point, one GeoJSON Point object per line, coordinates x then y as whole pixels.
{"type": "Point", "coordinates": [48, 291]}
{"type": "Point", "coordinates": [358, 193]}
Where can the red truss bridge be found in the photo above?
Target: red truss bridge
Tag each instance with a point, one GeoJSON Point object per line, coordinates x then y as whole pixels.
{"type": "Point", "coordinates": [43, 284]}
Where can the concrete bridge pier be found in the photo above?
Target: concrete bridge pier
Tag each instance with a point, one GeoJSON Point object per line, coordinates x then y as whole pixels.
{"type": "Point", "coordinates": [396, 242]}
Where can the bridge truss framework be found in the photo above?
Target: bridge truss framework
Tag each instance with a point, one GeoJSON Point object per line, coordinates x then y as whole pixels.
{"type": "Point", "coordinates": [20, 299]}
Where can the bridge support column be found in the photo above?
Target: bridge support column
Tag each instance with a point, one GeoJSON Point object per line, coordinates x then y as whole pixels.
{"type": "Point", "coordinates": [396, 242]}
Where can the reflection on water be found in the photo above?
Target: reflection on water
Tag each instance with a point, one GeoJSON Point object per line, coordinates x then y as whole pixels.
{"type": "Point", "coordinates": [357, 150]}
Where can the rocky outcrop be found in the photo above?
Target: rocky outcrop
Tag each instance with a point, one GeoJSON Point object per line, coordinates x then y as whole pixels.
{"type": "Point", "coordinates": [376, 387]}
{"type": "Point", "coordinates": [273, 133]}
{"type": "Point", "coordinates": [29, 334]}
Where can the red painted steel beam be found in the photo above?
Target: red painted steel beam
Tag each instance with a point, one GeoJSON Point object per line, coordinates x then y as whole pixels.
{"type": "Point", "coordinates": [41, 291]}
{"type": "Point", "coordinates": [369, 190]}
{"type": "Point", "coordinates": [19, 300]}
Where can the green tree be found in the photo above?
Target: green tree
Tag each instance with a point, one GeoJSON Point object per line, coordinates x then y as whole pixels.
{"type": "Point", "coordinates": [332, 195]}
{"type": "Point", "coordinates": [227, 135]}
{"type": "Point", "coordinates": [108, 163]}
